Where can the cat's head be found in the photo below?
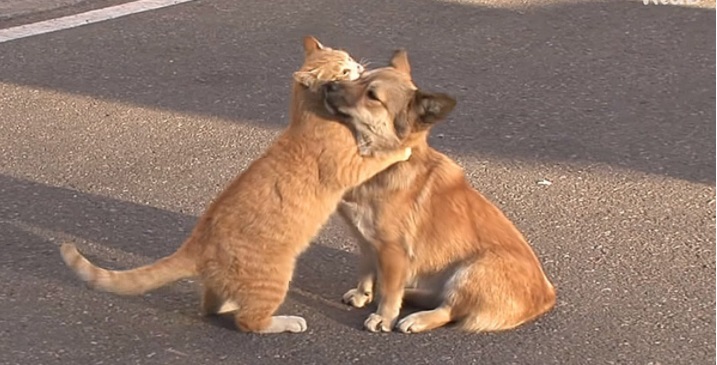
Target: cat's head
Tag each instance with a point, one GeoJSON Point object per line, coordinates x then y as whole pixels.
{"type": "Point", "coordinates": [323, 64]}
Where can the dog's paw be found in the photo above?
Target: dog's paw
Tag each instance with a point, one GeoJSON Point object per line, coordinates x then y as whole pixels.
{"type": "Point", "coordinates": [412, 324]}
{"type": "Point", "coordinates": [357, 298]}
{"type": "Point", "coordinates": [375, 323]}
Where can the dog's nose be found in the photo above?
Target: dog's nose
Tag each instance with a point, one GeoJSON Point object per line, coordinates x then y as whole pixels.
{"type": "Point", "coordinates": [331, 87]}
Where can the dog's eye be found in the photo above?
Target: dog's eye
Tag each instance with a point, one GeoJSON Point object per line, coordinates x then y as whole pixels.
{"type": "Point", "coordinates": [372, 95]}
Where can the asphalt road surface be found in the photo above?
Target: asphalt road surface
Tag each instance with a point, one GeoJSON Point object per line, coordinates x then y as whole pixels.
{"type": "Point", "coordinates": [117, 134]}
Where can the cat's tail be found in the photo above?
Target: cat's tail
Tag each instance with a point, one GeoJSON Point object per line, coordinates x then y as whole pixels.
{"type": "Point", "coordinates": [178, 265]}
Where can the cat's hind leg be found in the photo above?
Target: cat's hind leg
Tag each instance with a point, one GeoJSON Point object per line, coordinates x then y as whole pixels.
{"type": "Point", "coordinates": [258, 296]}
{"type": "Point", "coordinates": [248, 320]}
{"type": "Point", "coordinates": [212, 303]}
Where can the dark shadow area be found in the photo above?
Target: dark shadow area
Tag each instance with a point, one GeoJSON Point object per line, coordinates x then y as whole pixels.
{"type": "Point", "coordinates": [40, 295]}
{"type": "Point", "coordinates": [617, 82]}
{"type": "Point", "coordinates": [145, 231]}
{"type": "Point", "coordinates": [32, 263]}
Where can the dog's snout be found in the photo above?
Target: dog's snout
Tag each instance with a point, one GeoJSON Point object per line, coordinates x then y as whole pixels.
{"type": "Point", "coordinates": [331, 87]}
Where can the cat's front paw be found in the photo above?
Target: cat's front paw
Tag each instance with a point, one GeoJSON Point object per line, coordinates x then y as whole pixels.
{"type": "Point", "coordinates": [407, 153]}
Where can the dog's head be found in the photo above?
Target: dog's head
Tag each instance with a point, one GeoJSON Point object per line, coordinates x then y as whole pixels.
{"type": "Point", "coordinates": [322, 64]}
{"type": "Point", "coordinates": [385, 108]}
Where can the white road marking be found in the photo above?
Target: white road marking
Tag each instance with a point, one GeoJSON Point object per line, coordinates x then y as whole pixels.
{"type": "Point", "coordinates": [76, 20]}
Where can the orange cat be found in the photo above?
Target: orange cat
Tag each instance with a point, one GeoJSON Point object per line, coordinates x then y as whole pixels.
{"type": "Point", "coordinates": [244, 247]}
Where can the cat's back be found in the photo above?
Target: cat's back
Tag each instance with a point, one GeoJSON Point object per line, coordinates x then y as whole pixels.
{"type": "Point", "coordinates": [278, 194]}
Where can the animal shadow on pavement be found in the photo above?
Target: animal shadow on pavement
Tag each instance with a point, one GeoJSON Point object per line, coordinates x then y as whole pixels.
{"type": "Point", "coordinates": [36, 218]}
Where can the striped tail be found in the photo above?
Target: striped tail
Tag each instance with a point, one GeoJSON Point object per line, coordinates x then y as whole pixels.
{"type": "Point", "coordinates": [130, 282]}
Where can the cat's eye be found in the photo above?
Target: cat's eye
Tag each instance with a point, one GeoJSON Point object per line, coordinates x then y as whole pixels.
{"type": "Point", "coordinates": [346, 71]}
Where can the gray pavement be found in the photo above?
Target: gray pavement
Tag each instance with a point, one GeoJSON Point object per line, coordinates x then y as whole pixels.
{"type": "Point", "coordinates": [18, 12]}
{"type": "Point", "coordinates": [19, 8]}
{"type": "Point", "coordinates": [117, 135]}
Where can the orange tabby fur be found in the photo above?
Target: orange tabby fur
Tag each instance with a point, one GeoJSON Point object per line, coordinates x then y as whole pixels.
{"type": "Point", "coordinates": [420, 223]}
{"type": "Point", "coordinates": [244, 247]}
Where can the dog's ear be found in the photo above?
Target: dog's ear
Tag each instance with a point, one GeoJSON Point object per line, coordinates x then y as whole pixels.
{"type": "Point", "coordinates": [306, 78]}
{"type": "Point", "coordinates": [432, 107]}
{"type": "Point", "coordinates": [399, 61]}
{"type": "Point", "coordinates": [311, 45]}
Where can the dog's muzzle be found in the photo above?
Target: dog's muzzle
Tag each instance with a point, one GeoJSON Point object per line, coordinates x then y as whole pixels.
{"type": "Point", "coordinates": [331, 87]}
{"type": "Point", "coordinates": [332, 97]}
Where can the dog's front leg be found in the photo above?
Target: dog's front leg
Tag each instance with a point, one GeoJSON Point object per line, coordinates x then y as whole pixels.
{"type": "Point", "coordinates": [393, 262]}
{"type": "Point", "coordinates": [362, 295]}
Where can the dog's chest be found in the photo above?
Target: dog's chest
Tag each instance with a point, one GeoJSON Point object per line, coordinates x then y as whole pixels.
{"type": "Point", "coordinates": [364, 219]}
{"type": "Point", "coordinates": [362, 215]}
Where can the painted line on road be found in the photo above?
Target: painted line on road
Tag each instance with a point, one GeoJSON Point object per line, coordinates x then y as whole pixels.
{"type": "Point", "coordinates": [76, 20]}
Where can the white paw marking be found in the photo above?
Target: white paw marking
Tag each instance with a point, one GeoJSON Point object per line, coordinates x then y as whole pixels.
{"type": "Point", "coordinates": [293, 324]}
{"type": "Point", "coordinates": [228, 306]}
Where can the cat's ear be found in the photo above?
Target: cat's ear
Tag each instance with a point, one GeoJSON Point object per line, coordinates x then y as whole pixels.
{"type": "Point", "coordinates": [306, 78]}
{"type": "Point", "coordinates": [311, 45]}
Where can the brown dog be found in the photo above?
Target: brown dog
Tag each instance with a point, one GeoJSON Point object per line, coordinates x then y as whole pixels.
{"type": "Point", "coordinates": [420, 223]}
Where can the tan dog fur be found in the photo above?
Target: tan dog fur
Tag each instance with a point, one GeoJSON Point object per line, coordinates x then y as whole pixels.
{"type": "Point", "coordinates": [420, 223]}
{"type": "Point", "coordinates": [244, 247]}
